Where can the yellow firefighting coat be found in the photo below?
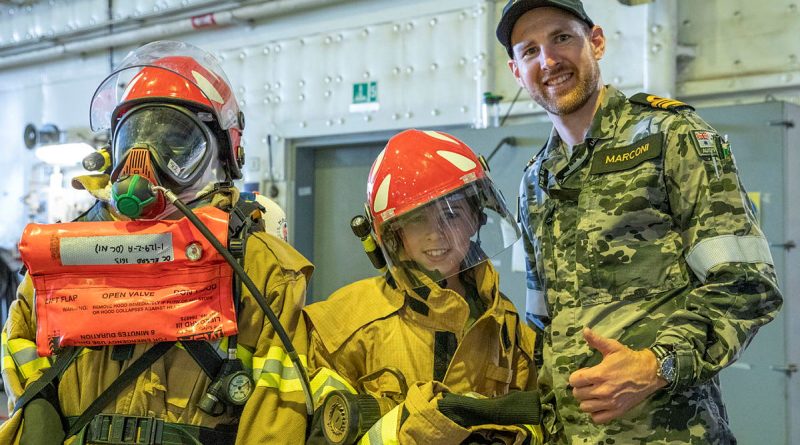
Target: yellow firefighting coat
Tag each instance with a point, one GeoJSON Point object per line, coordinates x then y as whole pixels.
{"type": "Point", "coordinates": [368, 326]}
{"type": "Point", "coordinates": [171, 388]}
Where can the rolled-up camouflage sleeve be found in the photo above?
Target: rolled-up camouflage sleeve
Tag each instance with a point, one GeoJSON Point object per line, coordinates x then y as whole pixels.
{"type": "Point", "coordinates": [727, 256]}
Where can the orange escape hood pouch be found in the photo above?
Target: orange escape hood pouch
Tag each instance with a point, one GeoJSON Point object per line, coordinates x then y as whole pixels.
{"type": "Point", "coordinates": [122, 282]}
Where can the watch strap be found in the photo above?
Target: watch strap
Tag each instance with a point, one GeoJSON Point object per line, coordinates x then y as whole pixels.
{"type": "Point", "coordinates": [663, 353]}
{"type": "Point", "coordinates": [660, 352]}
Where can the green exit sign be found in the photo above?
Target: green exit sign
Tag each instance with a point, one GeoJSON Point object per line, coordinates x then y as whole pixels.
{"type": "Point", "coordinates": [365, 97]}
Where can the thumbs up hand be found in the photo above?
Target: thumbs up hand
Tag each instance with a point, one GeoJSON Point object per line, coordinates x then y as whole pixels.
{"type": "Point", "coordinates": [622, 380]}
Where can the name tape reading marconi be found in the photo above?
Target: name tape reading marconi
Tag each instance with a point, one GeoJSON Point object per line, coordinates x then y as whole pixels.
{"type": "Point", "coordinates": [122, 282]}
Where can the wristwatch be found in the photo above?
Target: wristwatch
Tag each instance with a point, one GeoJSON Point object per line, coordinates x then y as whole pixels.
{"type": "Point", "coordinates": [667, 364]}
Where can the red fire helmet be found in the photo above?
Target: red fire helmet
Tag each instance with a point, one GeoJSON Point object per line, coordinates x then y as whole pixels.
{"type": "Point", "coordinates": [434, 208]}
{"type": "Point", "coordinates": [180, 74]}
{"type": "Point", "coordinates": [415, 168]}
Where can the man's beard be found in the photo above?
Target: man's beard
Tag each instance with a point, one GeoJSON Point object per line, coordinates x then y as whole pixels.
{"type": "Point", "coordinates": [575, 98]}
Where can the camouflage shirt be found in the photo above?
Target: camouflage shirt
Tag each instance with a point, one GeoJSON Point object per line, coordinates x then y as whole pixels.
{"type": "Point", "coordinates": [645, 234]}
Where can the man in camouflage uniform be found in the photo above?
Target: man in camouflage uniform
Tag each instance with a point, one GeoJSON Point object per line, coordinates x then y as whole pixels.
{"type": "Point", "coordinates": [647, 270]}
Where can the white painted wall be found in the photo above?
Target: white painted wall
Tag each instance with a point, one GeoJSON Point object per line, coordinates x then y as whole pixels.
{"type": "Point", "coordinates": [57, 92]}
{"type": "Point", "coordinates": [744, 48]}
{"type": "Point", "coordinates": [432, 59]}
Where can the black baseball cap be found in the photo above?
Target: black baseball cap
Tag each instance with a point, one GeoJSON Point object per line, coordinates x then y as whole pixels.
{"type": "Point", "coordinates": [514, 9]}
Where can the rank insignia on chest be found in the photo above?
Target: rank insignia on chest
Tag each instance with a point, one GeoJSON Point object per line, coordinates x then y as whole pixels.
{"type": "Point", "coordinates": [706, 143]}
{"type": "Point", "coordinates": [623, 158]}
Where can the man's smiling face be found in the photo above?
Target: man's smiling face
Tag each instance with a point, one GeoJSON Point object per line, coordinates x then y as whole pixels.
{"type": "Point", "coordinates": [556, 59]}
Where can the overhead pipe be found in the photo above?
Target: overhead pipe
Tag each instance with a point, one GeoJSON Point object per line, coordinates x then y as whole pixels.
{"type": "Point", "coordinates": [162, 31]}
{"type": "Point", "coordinates": [484, 46]}
{"type": "Point", "coordinates": [121, 24]}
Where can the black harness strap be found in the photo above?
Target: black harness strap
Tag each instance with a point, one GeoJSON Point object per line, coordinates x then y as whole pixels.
{"type": "Point", "coordinates": [55, 371]}
{"type": "Point", "coordinates": [204, 354]}
{"type": "Point", "coordinates": [240, 222]}
{"type": "Point", "coordinates": [121, 353]}
{"type": "Point", "coordinates": [122, 382]}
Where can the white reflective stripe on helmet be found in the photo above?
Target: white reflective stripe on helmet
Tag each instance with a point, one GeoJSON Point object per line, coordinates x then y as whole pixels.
{"type": "Point", "coordinates": [712, 252]}
{"type": "Point", "coordinates": [535, 303]}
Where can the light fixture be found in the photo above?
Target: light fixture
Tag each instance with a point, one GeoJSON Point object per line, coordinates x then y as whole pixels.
{"type": "Point", "coordinates": [64, 154]}
{"type": "Point", "coordinates": [62, 147]}
{"type": "Point", "coordinates": [46, 134]}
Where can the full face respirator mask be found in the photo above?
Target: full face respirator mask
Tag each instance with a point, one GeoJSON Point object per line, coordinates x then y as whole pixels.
{"type": "Point", "coordinates": [161, 145]}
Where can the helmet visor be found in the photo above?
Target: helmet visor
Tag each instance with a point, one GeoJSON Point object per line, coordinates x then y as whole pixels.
{"type": "Point", "coordinates": [169, 56]}
{"type": "Point", "coordinates": [449, 234]}
{"type": "Point", "coordinates": [177, 140]}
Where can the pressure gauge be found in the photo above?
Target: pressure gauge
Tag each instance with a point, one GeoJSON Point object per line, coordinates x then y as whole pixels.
{"type": "Point", "coordinates": [239, 387]}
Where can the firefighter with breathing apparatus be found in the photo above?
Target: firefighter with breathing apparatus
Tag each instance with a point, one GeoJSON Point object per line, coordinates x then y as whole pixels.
{"type": "Point", "coordinates": [144, 322]}
{"type": "Point", "coordinates": [430, 352]}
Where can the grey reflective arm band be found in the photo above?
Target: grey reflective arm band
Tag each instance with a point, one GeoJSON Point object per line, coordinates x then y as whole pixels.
{"type": "Point", "coordinates": [712, 252]}
{"type": "Point", "coordinates": [535, 303]}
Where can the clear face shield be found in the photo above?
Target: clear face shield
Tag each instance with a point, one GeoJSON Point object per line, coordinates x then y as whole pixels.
{"type": "Point", "coordinates": [168, 56]}
{"type": "Point", "coordinates": [448, 235]}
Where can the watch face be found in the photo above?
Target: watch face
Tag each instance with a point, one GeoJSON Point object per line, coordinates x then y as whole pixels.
{"type": "Point", "coordinates": [668, 368]}
{"type": "Point", "coordinates": [240, 386]}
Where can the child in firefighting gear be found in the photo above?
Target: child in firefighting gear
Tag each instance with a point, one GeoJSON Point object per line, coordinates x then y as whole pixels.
{"type": "Point", "coordinates": [176, 124]}
{"type": "Point", "coordinates": [415, 342]}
